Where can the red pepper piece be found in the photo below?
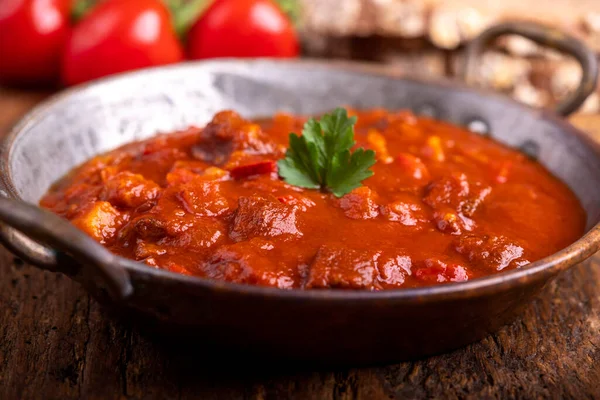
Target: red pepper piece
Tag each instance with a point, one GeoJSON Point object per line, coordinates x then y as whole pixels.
{"type": "Point", "coordinates": [258, 168]}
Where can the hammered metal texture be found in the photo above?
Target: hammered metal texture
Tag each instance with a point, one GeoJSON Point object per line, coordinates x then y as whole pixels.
{"type": "Point", "coordinates": [325, 326]}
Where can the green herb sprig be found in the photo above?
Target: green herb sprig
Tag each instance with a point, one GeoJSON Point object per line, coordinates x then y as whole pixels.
{"type": "Point", "coordinates": [321, 157]}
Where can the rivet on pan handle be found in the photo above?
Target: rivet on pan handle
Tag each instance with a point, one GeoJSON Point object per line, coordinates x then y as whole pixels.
{"type": "Point", "coordinates": [547, 36]}
{"type": "Point", "coordinates": [35, 224]}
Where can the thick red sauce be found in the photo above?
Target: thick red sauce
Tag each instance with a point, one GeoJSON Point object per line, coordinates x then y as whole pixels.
{"type": "Point", "coordinates": [443, 205]}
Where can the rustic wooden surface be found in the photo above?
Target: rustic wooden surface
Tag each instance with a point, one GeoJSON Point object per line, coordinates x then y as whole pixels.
{"type": "Point", "coordinates": [57, 343]}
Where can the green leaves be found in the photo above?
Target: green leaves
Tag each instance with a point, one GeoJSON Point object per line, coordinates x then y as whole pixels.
{"type": "Point", "coordinates": [299, 166]}
{"type": "Point", "coordinates": [348, 171]}
{"type": "Point", "coordinates": [184, 13]}
{"type": "Point", "coordinates": [321, 157]}
{"type": "Point", "coordinates": [291, 8]}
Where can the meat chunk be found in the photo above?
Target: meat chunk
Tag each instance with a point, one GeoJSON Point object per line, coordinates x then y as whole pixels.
{"type": "Point", "coordinates": [405, 210]}
{"type": "Point", "coordinates": [491, 252]}
{"type": "Point", "coordinates": [250, 262]}
{"type": "Point", "coordinates": [340, 267]}
{"type": "Point", "coordinates": [68, 202]}
{"type": "Point", "coordinates": [454, 200]}
{"type": "Point", "coordinates": [393, 270]}
{"type": "Point", "coordinates": [457, 193]}
{"type": "Point", "coordinates": [264, 216]}
{"type": "Point", "coordinates": [359, 204]}
{"type": "Point", "coordinates": [170, 213]}
{"type": "Point", "coordinates": [451, 222]}
{"type": "Point", "coordinates": [433, 270]}
{"type": "Point", "coordinates": [144, 228]}
{"type": "Point", "coordinates": [183, 214]}
{"type": "Point", "coordinates": [203, 198]}
{"type": "Point", "coordinates": [447, 192]}
{"type": "Point", "coordinates": [156, 164]}
{"type": "Point", "coordinates": [129, 190]}
{"type": "Point", "coordinates": [227, 133]}
{"type": "Point", "coordinates": [151, 237]}
{"type": "Point", "coordinates": [100, 220]}
{"type": "Point", "coordinates": [337, 266]}
{"type": "Point", "coordinates": [303, 203]}
{"type": "Point", "coordinates": [204, 234]}
{"type": "Point", "coordinates": [149, 227]}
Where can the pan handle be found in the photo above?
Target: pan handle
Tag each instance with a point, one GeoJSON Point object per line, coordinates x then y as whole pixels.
{"type": "Point", "coordinates": [24, 225]}
{"type": "Point", "coordinates": [547, 36]}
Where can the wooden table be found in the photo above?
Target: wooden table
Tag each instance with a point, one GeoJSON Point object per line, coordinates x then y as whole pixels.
{"type": "Point", "coordinates": [57, 343]}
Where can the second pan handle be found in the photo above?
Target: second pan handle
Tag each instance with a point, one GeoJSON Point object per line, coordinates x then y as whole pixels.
{"type": "Point", "coordinates": [547, 36]}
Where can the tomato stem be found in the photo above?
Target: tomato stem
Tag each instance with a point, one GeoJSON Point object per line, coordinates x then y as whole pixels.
{"type": "Point", "coordinates": [185, 13]}
{"type": "Point", "coordinates": [81, 8]}
{"type": "Point", "coordinates": [291, 8]}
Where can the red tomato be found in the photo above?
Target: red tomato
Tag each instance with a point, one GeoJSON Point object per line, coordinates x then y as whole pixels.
{"type": "Point", "coordinates": [32, 35]}
{"type": "Point", "coordinates": [243, 28]}
{"type": "Point", "coordinates": [118, 36]}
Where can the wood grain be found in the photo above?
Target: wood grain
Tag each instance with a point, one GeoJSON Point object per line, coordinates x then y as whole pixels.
{"type": "Point", "coordinates": [57, 343]}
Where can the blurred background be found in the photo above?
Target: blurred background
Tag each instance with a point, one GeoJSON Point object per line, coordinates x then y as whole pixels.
{"type": "Point", "coordinates": [58, 43]}
{"type": "Point", "coordinates": [427, 38]}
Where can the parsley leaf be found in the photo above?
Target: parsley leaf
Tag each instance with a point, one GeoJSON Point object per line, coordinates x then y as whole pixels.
{"type": "Point", "coordinates": [347, 171]}
{"type": "Point", "coordinates": [321, 157]}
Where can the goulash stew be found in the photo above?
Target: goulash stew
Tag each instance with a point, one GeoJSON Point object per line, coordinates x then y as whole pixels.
{"type": "Point", "coordinates": [367, 200]}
